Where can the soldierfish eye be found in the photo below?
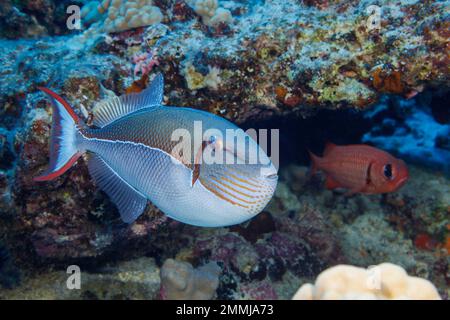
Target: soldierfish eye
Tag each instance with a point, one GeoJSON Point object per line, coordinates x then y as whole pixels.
{"type": "Point", "coordinates": [387, 171]}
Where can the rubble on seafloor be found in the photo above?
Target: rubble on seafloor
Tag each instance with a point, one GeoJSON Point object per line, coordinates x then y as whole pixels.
{"type": "Point", "coordinates": [261, 59]}
{"type": "Point", "coordinates": [305, 230]}
{"type": "Point", "coordinates": [136, 279]}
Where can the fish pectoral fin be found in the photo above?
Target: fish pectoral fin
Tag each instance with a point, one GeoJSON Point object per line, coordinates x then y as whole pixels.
{"type": "Point", "coordinates": [195, 174]}
{"type": "Point", "coordinates": [110, 110]}
{"type": "Point", "coordinates": [130, 202]}
{"type": "Point", "coordinates": [198, 162]}
{"type": "Point", "coordinates": [331, 184]}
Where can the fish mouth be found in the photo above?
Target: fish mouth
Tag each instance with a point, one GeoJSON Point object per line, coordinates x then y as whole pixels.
{"type": "Point", "coordinates": [272, 176]}
{"type": "Point", "coordinates": [269, 173]}
{"type": "Point", "coordinates": [402, 181]}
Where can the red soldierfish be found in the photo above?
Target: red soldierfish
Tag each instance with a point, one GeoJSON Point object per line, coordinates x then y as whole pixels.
{"type": "Point", "coordinates": [360, 168]}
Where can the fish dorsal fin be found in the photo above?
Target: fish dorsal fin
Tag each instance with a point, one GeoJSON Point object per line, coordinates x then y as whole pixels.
{"type": "Point", "coordinates": [329, 146]}
{"type": "Point", "coordinates": [130, 202]}
{"type": "Point", "coordinates": [117, 107]}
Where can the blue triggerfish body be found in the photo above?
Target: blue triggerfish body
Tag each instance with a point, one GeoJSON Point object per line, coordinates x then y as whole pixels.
{"type": "Point", "coordinates": [139, 150]}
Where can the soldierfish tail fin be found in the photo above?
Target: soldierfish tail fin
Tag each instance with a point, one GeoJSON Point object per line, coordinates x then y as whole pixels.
{"type": "Point", "coordinates": [63, 140]}
{"type": "Point", "coordinates": [315, 163]}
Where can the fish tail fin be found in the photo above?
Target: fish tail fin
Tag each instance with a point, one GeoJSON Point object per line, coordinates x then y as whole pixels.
{"type": "Point", "coordinates": [65, 133]}
{"type": "Point", "coordinates": [315, 163]}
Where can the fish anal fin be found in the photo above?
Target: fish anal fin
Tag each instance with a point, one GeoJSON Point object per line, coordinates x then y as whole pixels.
{"type": "Point", "coordinates": [331, 183]}
{"type": "Point", "coordinates": [115, 108]}
{"type": "Point", "coordinates": [130, 202]}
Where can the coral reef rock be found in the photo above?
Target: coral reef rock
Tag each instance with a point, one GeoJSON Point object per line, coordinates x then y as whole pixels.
{"type": "Point", "coordinates": [409, 129]}
{"type": "Point", "coordinates": [385, 281]}
{"type": "Point", "coordinates": [279, 57]}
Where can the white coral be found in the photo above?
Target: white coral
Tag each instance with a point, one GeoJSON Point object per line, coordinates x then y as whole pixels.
{"type": "Point", "coordinates": [120, 15]}
{"type": "Point", "coordinates": [205, 8]}
{"type": "Point", "coordinates": [210, 12]}
{"type": "Point", "coordinates": [385, 281]}
{"type": "Point", "coordinates": [180, 281]}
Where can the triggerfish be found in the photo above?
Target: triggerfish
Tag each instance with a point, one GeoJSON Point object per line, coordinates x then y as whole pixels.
{"type": "Point", "coordinates": [360, 169]}
{"type": "Point", "coordinates": [133, 157]}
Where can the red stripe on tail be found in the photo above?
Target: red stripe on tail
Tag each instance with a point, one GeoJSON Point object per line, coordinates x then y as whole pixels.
{"type": "Point", "coordinates": [55, 174]}
{"type": "Point", "coordinates": [63, 102]}
{"type": "Point", "coordinates": [63, 149]}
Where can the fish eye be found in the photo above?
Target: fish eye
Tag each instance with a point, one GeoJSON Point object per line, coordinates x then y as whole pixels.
{"type": "Point", "coordinates": [212, 140]}
{"type": "Point", "coordinates": [387, 171]}
{"type": "Point", "coordinates": [214, 143]}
